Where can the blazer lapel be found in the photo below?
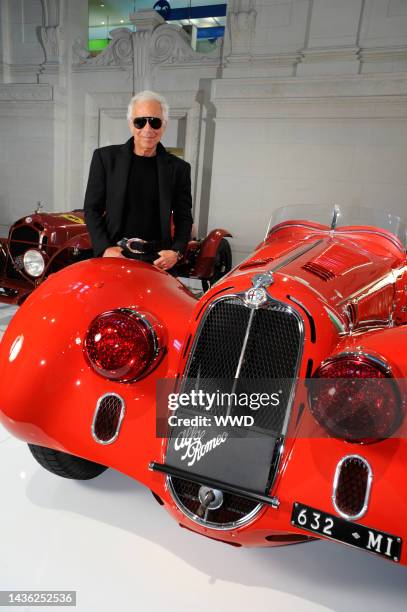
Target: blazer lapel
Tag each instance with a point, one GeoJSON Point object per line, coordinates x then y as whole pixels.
{"type": "Point", "coordinates": [120, 177]}
{"type": "Point", "coordinates": [164, 169]}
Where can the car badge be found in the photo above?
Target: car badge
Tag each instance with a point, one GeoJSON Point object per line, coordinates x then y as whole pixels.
{"type": "Point", "coordinates": [257, 295]}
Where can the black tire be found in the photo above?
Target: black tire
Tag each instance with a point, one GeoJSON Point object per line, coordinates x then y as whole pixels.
{"type": "Point", "coordinates": [222, 264]}
{"type": "Point", "coordinates": [64, 465]}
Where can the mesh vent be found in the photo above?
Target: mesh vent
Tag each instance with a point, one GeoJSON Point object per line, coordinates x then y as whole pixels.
{"type": "Point", "coordinates": [234, 509]}
{"type": "Point", "coordinates": [108, 417]}
{"type": "Point", "coordinates": [218, 349]}
{"type": "Point", "coordinates": [352, 487]}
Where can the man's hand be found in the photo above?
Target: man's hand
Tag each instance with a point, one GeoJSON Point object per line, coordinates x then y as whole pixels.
{"type": "Point", "coordinates": [115, 251]}
{"type": "Point", "coordinates": [167, 260]}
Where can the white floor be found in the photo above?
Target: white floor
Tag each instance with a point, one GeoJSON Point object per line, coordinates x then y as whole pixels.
{"type": "Point", "coordinates": [110, 541]}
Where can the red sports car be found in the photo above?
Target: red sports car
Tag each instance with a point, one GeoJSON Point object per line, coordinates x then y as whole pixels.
{"type": "Point", "coordinates": [271, 411]}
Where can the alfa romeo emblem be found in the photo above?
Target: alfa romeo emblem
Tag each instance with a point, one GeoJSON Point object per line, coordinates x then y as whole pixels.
{"type": "Point", "coordinates": [257, 295]}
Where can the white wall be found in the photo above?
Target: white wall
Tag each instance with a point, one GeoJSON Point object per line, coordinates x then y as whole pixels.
{"type": "Point", "coordinates": [306, 101]}
{"type": "Point", "coordinates": [327, 147]}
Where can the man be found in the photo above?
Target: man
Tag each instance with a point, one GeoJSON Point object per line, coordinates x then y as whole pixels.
{"type": "Point", "coordinates": [134, 188]}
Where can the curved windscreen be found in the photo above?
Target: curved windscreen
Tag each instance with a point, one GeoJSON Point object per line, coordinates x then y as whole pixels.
{"type": "Point", "coordinates": [336, 217]}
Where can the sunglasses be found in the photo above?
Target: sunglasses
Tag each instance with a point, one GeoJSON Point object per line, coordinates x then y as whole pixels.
{"type": "Point", "coordinates": [154, 122]}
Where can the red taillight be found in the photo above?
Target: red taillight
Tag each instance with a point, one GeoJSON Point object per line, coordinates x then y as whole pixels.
{"type": "Point", "coordinates": [120, 345]}
{"type": "Point", "coordinates": [354, 397]}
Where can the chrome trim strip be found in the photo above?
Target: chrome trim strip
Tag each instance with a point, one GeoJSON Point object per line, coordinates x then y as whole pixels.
{"type": "Point", "coordinates": [151, 329]}
{"type": "Point", "coordinates": [121, 417]}
{"type": "Point", "coordinates": [242, 354]}
{"type": "Point", "coordinates": [376, 360]}
{"type": "Point", "coordinates": [352, 517]}
{"type": "Point", "coordinates": [306, 225]}
{"type": "Point", "coordinates": [295, 256]}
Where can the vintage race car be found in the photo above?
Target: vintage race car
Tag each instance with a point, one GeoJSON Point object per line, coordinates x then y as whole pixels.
{"type": "Point", "coordinates": [43, 243]}
{"type": "Point", "coordinates": [271, 411]}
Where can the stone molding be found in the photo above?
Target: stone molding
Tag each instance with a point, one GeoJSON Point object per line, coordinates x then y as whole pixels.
{"type": "Point", "coordinates": [327, 54]}
{"type": "Point", "coordinates": [170, 45]}
{"type": "Point", "coordinates": [50, 10]}
{"type": "Point", "coordinates": [241, 26]}
{"type": "Point", "coordinates": [118, 54]}
{"type": "Point", "coordinates": [389, 84]}
{"type": "Point", "coordinates": [155, 43]}
{"type": "Point", "coordinates": [25, 92]}
{"type": "Point", "coordinates": [384, 54]}
{"type": "Point", "coordinates": [49, 37]}
{"type": "Point", "coordinates": [362, 96]}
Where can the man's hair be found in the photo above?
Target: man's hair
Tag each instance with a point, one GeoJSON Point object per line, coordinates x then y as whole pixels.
{"type": "Point", "coordinates": [145, 96]}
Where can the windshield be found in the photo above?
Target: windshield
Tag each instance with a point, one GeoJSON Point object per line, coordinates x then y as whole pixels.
{"type": "Point", "coordinates": [336, 217]}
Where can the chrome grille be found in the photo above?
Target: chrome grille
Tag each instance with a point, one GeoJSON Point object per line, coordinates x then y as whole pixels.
{"type": "Point", "coordinates": [352, 487]}
{"type": "Point", "coordinates": [217, 352]}
{"type": "Point", "coordinates": [242, 350]}
{"type": "Point", "coordinates": [107, 419]}
{"type": "Point", "coordinates": [271, 353]}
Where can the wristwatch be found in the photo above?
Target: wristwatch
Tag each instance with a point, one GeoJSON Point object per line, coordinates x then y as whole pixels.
{"type": "Point", "coordinates": [179, 255]}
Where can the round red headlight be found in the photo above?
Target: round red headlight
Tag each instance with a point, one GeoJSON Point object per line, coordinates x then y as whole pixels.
{"type": "Point", "coordinates": [120, 345]}
{"type": "Point", "coordinates": [354, 397]}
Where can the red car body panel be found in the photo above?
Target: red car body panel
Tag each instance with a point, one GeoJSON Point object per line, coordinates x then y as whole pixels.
{"type": "Point", "coordinates": [349, 288]}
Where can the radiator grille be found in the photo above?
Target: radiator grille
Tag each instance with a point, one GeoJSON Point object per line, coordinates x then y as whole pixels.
{"type": "Point", "coordinates": [352, 486]}
{"type": "Point", "coordinates": [241, 350]}
{"type": "Point", "coordinates": [217, 352]}
{"type": "Point", "coordinates": [270, 354]}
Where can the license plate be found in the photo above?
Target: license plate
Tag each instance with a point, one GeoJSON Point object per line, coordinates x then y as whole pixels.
{"type": "Point", "coordinates": [360, 536]}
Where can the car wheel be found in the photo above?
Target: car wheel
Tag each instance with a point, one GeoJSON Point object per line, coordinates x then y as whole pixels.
{"type": "Point", "coordinates": [222, 264]}
{"type": "Point", "coordinates": [67, 466]}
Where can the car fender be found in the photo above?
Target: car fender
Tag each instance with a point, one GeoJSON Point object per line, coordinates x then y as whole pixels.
{"type": "Point", "coordinates": [48, 390]}
{"type": "Point", "coordinates": [205, 263]}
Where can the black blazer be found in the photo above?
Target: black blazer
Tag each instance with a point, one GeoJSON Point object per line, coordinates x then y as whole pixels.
{"type": "Point", "coordinates": [106, 193]}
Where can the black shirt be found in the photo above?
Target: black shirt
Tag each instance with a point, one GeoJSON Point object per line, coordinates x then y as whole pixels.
{"type": "Point", "coordinates": [141, 218]}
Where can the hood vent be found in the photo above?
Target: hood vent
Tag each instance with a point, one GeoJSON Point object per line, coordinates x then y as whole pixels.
{"type": "Point", "coordinates": [334, 261]}
{"type": "Point", "coordinates": [319, 270]}
{"type": "Point", "coordinates": [254, 263]}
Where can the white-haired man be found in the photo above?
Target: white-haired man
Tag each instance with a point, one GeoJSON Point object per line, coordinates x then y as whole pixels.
{"type": "Point", "coordinates": [134, 188]}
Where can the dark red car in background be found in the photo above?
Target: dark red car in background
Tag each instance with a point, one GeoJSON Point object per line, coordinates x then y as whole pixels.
{"type": "Point", "coordinates": [42, 243]}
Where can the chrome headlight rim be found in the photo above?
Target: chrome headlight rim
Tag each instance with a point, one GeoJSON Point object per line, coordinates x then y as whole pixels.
{"type": "Point", "coordinates": [34, 268]}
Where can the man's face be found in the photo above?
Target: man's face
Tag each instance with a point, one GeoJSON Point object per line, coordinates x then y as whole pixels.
{"type": "Point", "coordinates": [147, 138]}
